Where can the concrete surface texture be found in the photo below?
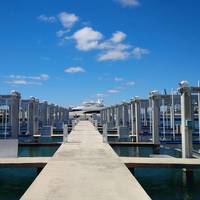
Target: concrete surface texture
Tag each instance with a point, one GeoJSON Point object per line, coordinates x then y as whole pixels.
{"type": "Point", "coordinates": [85, 168]}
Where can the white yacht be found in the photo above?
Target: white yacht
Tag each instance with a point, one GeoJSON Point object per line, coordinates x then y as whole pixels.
{"type": "Point", "coordinates": [89, 107]}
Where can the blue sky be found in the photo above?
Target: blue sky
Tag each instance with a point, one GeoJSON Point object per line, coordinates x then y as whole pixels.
{"type": "Point", "coordinates": [69, 51]}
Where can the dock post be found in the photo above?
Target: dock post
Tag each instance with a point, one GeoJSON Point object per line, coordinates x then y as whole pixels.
{"type": "Point", "coordinates": [51, 114]}
{"type": "Point", "coordinates": [145, 115]}
{"type": "Point", "coordinates": [36, 117]}
{"type": "Point", "coordinates": [120, 114]}
{"type": "Point", "coordinates": [116, 116]}
{"type": "Point", "coordinates": [155, 97]}
{"type": "Point", "coordinates": [163, 119]}
{"type": "Point", "coordinates": [105, 133]}
{"type": "Point", "coordinates": [125, 114]}
{"type": "Point", "coordinates": [105, 115]}
{"type": "Point", "coordinates": [113, 116]}
{"type": "Point", "coordinates": [172, 118]}
{"type": "Point", "coordinates": [186, 119]}
{"type": "Point", "coordinates": [137, 118]}
{"type": "Point", "coordinates": [132, 117]}
{"type": "Point", "coordinates": [108, 116]}
{"type": "Point", "coordinates": [101, 117]}
{"type": "Point", "coordinates": [15, 99]}
{"type": "Point", "coordinates": [65, 133]}
{"type": "Point", "coordinates": [44, 113]}
{"type": "Point", "coordinates": [187, 125]}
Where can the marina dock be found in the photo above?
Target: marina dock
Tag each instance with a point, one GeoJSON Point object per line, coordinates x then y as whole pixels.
{"type": "Point", "coordinates": [85, 168]}
{"type": "Point", "coordinates": [144, 144]}
{"type": "Point", "coordinates": [133, 162]}
{"type": "Point", "coordinates": [38, 162]}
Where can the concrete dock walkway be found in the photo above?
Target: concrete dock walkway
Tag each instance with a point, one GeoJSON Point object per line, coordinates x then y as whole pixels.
{"type": "Point", "coordinates": [85, 168]}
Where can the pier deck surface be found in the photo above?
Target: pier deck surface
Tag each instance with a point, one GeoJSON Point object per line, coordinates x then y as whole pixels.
{"type": "Point", "coordinates": [132, 162]}
{"type": "Point", "coordinates": [85, 168]}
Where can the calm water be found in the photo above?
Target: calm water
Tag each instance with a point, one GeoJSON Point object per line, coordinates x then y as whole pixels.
{"type": "Point", "coordinates": [129, 151]}
{"type": "Point", "coordinates": [163, 183]}
{"type": "Point", "coordinates": [37, 151]}
{"type": "Point", "coordinates": [15, 181]}
{"type": "Point", "coordinates": [168, 184]}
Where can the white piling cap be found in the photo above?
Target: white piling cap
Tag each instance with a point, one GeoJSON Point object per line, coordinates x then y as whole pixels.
{"type": "Point", "coordinates": [155, 92]}
{"type": "Point", "coordinates": [13, 91]}
{"type": "Point", "coordinates": [137, 98]}
{"type": "Point", "coordinates": [184, 84]}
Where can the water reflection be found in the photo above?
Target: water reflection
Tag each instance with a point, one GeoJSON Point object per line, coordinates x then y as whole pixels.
{"type": "Point", "coordinates": [15, 181]}
{"type": "Point", "coordinates": [133, 151]}
{"type": "Point", "coordinates": [37, 151]}
{"type": "Point", "coordinates": [164, 183]}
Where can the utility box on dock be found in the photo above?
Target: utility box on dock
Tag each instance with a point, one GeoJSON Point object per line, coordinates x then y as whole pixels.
{"type": "Point", "coordinates": [8, 148]}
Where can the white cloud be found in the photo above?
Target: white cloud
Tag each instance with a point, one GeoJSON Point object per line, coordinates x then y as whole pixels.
{"type": "Point", "coordinates": [87, 38]}
{"type": "Point", "coordinates": [118, 37]}
{"type": "Point", "coordinates": [67, 19]}
{"type": "Point", "coordinates": [26, 80]}
{"type": "Point", "coordinates": [113, 91]}
{"type": "Point", "coordinates": [113, 55]}
{"type": "Point", "coordinates": [44, 18]}
{"type": "Point", "coordinates": [44, 77]}
{"type": "Point", "coordinates": [121, 88]}
{"type": "Point", "coordinates": [111, 45]}
{"type": "Point", "coordinates": [61, 33]}
{"type": "Point", "coordinates": [22, 82]}
{"type": "Point", "coordinates": [114, 49]}
{"type": "Point", "coordinates": [129, 3]}
{"type": "Point", "coordinates": [17, 82]}
{"type": "Point", "coordinates": [118, 79]}
{"type": "Point", "coordinates": [130, 83]}
{"type": "Point", "coordinates": [73, 70]}
{"type": "Point", "coordinates": [139, 52]}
